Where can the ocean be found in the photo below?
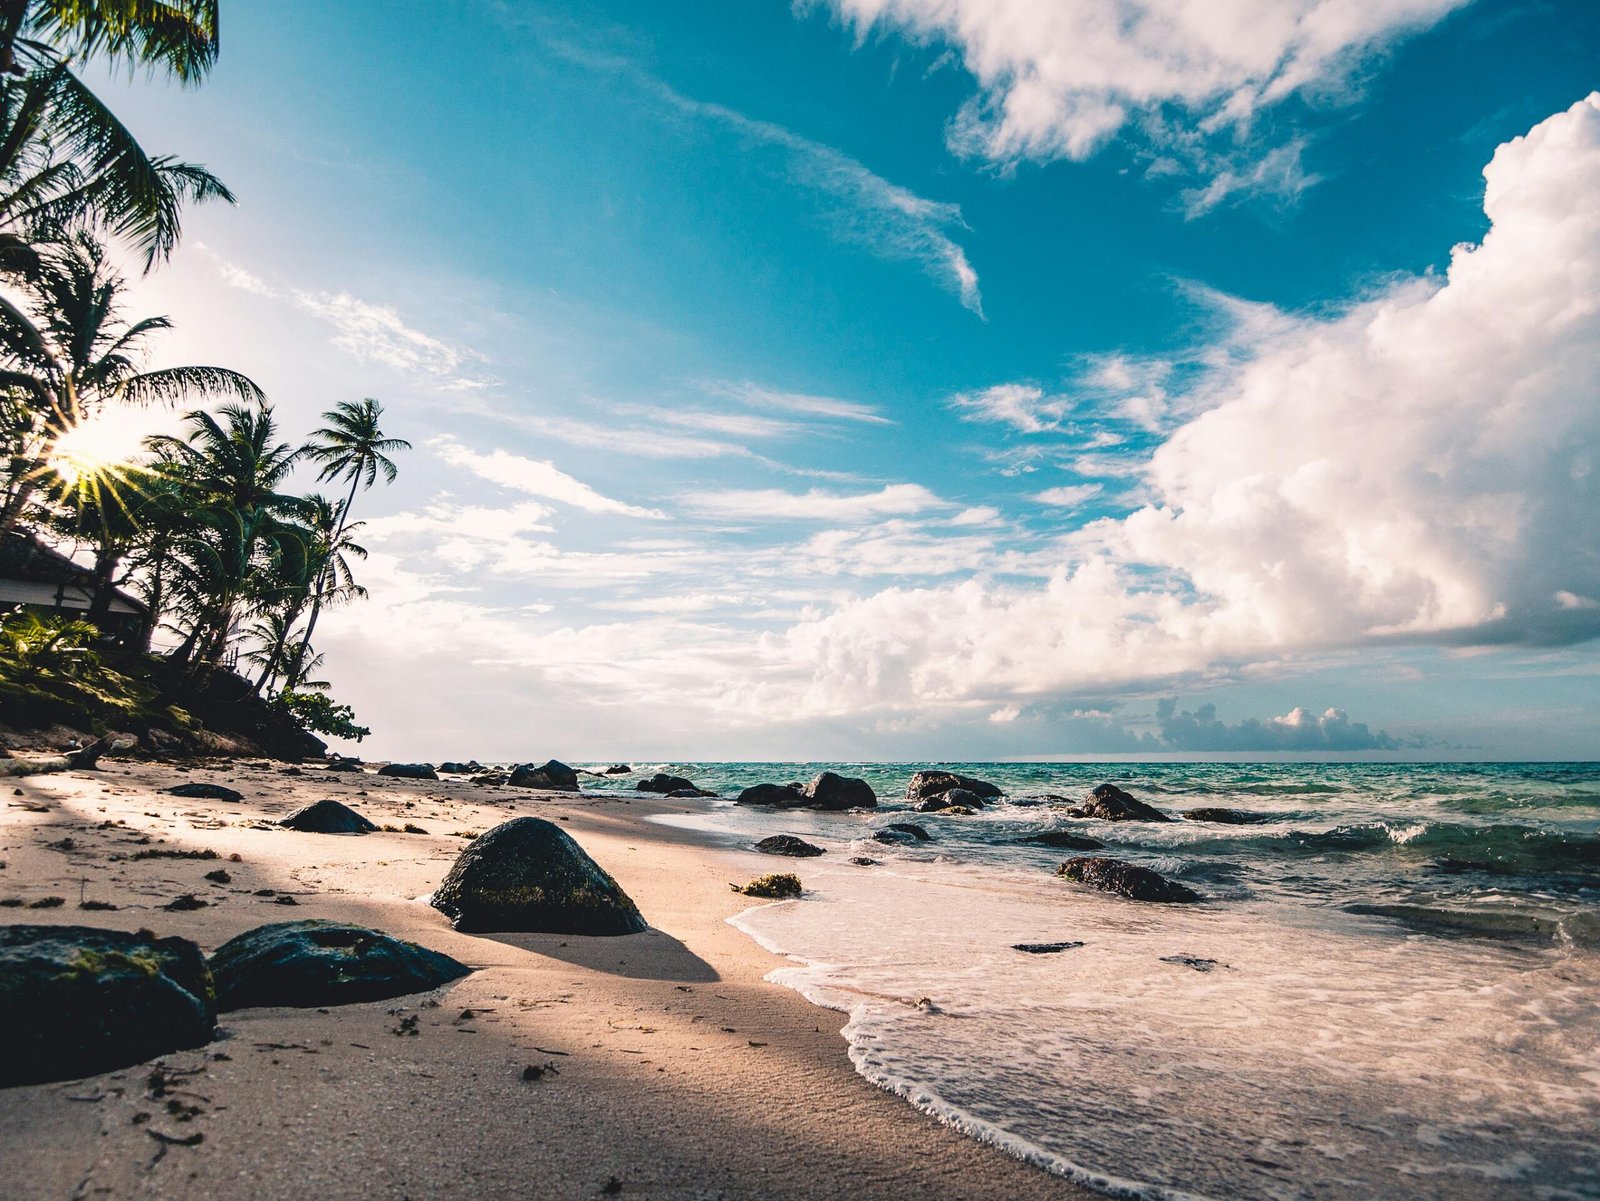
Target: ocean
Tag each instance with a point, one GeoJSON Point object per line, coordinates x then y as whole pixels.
{"type": "Point", "coordinates": [1389, 990]}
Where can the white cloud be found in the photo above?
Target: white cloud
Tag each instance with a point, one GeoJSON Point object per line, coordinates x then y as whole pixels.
{"type": "Point", "coordinates": [537, 478]}
{"type": "Point", "coordinates": [799, 402]}
{"type": "Point", "coordinates": [1059, 78]}
{"type": "Point", "coordinates": [1069, 496]}
{"type": "Point", "coordinates": [1024, 407]}
{"type": "Point", "coordinates": [1424, 466]}
{"type": "Point", "coordinates": [814, 505]}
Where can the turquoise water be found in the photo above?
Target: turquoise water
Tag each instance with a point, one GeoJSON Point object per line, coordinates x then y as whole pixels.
{"type": "Point", "coordinates": [1388, 991]}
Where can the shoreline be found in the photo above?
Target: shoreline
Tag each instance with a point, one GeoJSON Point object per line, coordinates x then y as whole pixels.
{"type": "Point", "coordinates": [680, 1070]}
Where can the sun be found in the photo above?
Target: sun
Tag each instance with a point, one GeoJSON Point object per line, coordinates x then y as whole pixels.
{"type": "Point", "coordinates": [91, 448]}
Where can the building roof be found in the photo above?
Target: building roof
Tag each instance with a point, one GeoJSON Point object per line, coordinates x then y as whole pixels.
{"type": "Point", "coordinates": [24, 559]}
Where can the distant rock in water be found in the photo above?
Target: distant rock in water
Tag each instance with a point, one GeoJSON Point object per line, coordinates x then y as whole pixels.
{"type": "Point", "coordinates": [328, 817]}
{"type": "Point", "coordinates": [207, 792]}
{"type": "Point", "coordinates": [552, 776]}
{"type": "Point", "coordinates": [788, 844]}
{"type": "Point", "coordinates": [461, 769]}
{"type": "Point", "coordinates": [312, 963]}
{"type": "Point", "coordinates": [1125, 879]}
{"type": "Point", "coordinates": [833, 791]}
{"type": "Point", "coordinates": [409, 771]}
{"type": "Point", "coordinates": [953, 800]}
{"type": "Point", "coordinates": [1227, 817]}
{"type": "Point", "coordinates": [617, 769]}
{"type": "Point", "coordinates": [1045, 948]}
{"type": "Point", "coordinates": [662, 782]}
{"type": "Point", "coordinates": [927, 784]}
{"type": "Point", "coordinates": [1110, 804]}
{"type": "Point", "coordinates": [529, 875]}
{"type": "Point", "coordinates": [1065, 840]}
{"type": "Point", "coordinates": [778, 796]}
{"type": "Point", "coordinates": [76, 1000]}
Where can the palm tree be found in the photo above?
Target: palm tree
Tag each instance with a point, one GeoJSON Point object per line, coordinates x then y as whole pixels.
{"type": "Point", "coordinates": [179, 35]}
{"type": "Point", "coordinates": [352, 446]}
{"type": "Point", "coordinates": [71, 354]}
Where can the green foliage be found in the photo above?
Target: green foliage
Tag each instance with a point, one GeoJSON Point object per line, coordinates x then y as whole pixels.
{"type": "Point", "coordinates": [32, 646]}
{"type": "Point", "coordinates": [321, 714]}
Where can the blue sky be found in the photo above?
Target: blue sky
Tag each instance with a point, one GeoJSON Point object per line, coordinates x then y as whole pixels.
{"type": "Point", "coordinates": [931, 378]}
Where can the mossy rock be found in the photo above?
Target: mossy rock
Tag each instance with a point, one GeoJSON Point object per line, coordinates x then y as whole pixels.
{"type": "Point", "coordinates": [529, 875]}
{"type": "Point", "coordinates": [779, 886]}
{"type": "Point", "coordinates": [1126, 880]}
{"type": "Point", "coordinates": [78, 1000]}
{"type": "Point", "coordinates": [313, 963]}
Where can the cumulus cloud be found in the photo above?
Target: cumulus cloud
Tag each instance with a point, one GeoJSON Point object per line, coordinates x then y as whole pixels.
{"type": "Point", "coordinates": [1060, 78]}
{"type": "Point", "coordinates": [1423, 466]}
{"type": "Point", "coordinates": [537, 478]}
{"type": "Point", "coordinates": [1297, 730]}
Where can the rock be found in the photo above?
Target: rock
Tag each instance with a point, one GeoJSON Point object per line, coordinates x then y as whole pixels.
{"type": "Point", "coordinates": [833, 791]}
{"type": "Point", "coordinates": [788, 844]}
{"type": "Point", "coordinates": [207, 792]}
{"type": "Point", "coordinates": [661, 782]}
{"type": "Point", "coordinates": [1064, 839]}
{"type": "Point", "coordinates": [492, 777]}
{"type": "Point", "coordinates": [684, 794]}
{"type": "Point", "coordinates": [617, 769]}
{"type": "Point", "coordinates": [1227, 817]}
{"type": "Point", "coordinates": [901, 834]}
{"type": "Point", "coordinates": [461, 769]}
{"type": "Point", "coordinates": [1045, 948]}
{"type": "Point", "coordinates": [1109, 803]}
{"type": "Point", "coordinates": [311, 963]}
{"type": "Point", "coordinates": [553, 776]}
{"type": "Point", "coordinates": [862, 861]}
{"type": "Point", "coordinates": [780, 796]}
{"type": "Point", "coordinates": [328, 817]}
{"type": "Point", "coordinates": [342, 765]}
{"type": "Point", "coordinates": [951, 800]}
{"type": "Point", "coordinates": [76, 1000]}
{"type": "Point", "coordinates": [528, 874]}
{"type": "Point", "coordinates": [1125, 879]}
{"type": "Point", "coordinates": [778, 887]}
{"type": "Point", "coordinates": [1194, 961]}
{"type": "Point", "coordinates": [911, 828]}
{"type": "Point", "coordinates": [409, 771]}
{"type": "Point", "coordinates": [926, 784]}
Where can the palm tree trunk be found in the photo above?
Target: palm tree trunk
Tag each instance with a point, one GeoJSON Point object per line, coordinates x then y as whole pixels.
{"type": "Point", "coordinates": [293, 674]}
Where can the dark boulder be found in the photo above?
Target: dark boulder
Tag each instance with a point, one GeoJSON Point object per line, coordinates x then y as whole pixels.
{"type": "Point", "coordinates": [529, 875]}
{"type": "Point", "coordinates": [617, 769]}
{"type": "Point", "coordinates": [342, 765]}
{"type": "Point", "coordinates": [911, 828]}
{"type": "Point", "coordinates": [1045, 948]}
{"type": "Point", "coordinates": [788, 844]}
{"type": "Point", "coordinates": [409, 771]}
{"type": "Point", "coordinates": [1227, 817]}
{"type": "Point", "coordinates": [951, 799]}
{"type": "Point", "coordinates": [490, 778]}
{"type": "Point", "coordinates": [461, 769]}
{"type": "Point", "coordinates": [328, 817]}
{"type": "Point", "coordinates": [1126, 880]}
{"type": "Point", "coordinates": [75, 1001]}
{"type": "Point", "coordinates": [1065, 840]}
{"type": "Point", "coordinates": [926, 784]}
{"type": "Point", "coordinates": [662, 782]}
{"type": "Point", "coordinates": [312, 963]}
{"type": "Point", "coordinates": [1110, 804]}
{"type": "Point", "coordinates": [207, 792]}
{"type": "Point", "coordinates": [684, 794]}
{"type": "Point", "coordinates": [780, 796]}
{"type": "Point", "coordinates": [901, 834]}
{"type": "Point", "coordinates": [833, 791]}
{"type": "Point", "coordinates": [862, 861]}
{"type": "Point", "coordinates": [553, 776]}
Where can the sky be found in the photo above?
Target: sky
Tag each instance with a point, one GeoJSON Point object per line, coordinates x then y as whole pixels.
{"type": "Point", "coordinates": [929, 379]}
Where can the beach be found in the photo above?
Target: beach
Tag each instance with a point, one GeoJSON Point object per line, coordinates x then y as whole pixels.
{"type": "Point", "coordinates": [678, 1070]}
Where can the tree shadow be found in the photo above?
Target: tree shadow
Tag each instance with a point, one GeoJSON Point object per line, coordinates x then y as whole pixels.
{"type": "Point", "coordinates": [649, 955]}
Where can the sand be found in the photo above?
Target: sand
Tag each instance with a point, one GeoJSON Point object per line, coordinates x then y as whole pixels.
{"type": "Point", "coordinates": [678, 1071]}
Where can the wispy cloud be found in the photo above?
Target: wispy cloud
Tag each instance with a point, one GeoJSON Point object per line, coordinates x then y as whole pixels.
{"type": "Point", "coordinates": [1024, 407]}
{"type": "Point", "coordinates": [1069, 496]}
{"type": "Point", "coordinates": [799, 402]}
{"type": "Point", "coordinates": [815, 505]}
{"type": "Point", "coordinates": [536, 478]}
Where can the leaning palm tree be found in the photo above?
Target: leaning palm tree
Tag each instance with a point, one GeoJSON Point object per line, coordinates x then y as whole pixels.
{"type": "Point", "coordinates": [352, 446]}
{"type": "Point", "coordinates": [71, 354]}
{"type": "Point", "coordinates": [178, 35]}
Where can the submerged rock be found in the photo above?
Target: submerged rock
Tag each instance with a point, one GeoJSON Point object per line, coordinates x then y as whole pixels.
{"type": "Point", "coordinates": [684, 794]}
{"type": "Point", "coordinates": [409, 771]}
{"type": "Point", "coordinates": [311, 963]}
{"type": "Point", "coordinates": [77, 1000]}
{"type": "Point", "coordinates": [553, 776]}
{"type": "Point", "coordinates": [833, 791]}
{"type": "Point", "coordinates": [788, 844]}
{"type": "Point", "coordinates": [617, 769]}
{"type": "Point", "coordinates": [1126, 879]}
{"type": "Point", "coordinates": [528, 874]}
{"type": "Point", "coordinates": [780, 886]}
{"type": "Point", "coordinates": [911, 828]}
{"type": "Point", "coordinates": [861, 861]}
{"type": "Point", "coordinates": [1191, 961]}
{"type": "Point", "coordinates": [954, 800]}
{"type": "Point", "coordinates": [207, 792]}
{"type": "Point", "coordinates": [927, 784]}
{"type": "Point", "coordinates": [662, 782]}
{"type": "Point", "coordinates": [779, 796]}
{"type": "Point", "coordinates": [1227, 817]}
{"type": "Point", "coordinates": [1065, 840]}
{"type": "Point", "coordinates": [1110, 804]}
{"type": "Point", "coordinates": [1045, 948]}
{"type": "Point", "coordinates": [328, 817]}
{"type": "Point", "coordinates": [901, 834]}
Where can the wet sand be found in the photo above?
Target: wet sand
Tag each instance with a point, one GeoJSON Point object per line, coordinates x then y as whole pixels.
{"type": "Point", "coordinates": [678, 1071]}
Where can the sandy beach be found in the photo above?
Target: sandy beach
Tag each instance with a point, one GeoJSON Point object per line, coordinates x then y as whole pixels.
{"type": "Point", "coordinates": [678, 1071]}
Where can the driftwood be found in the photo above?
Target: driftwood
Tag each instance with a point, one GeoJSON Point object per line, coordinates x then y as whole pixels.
{"type": "Point", "coordinates": [82, 759]}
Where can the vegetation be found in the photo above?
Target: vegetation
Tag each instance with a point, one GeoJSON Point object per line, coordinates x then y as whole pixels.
{"type": "Point", "coordinates": [227, 561]}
